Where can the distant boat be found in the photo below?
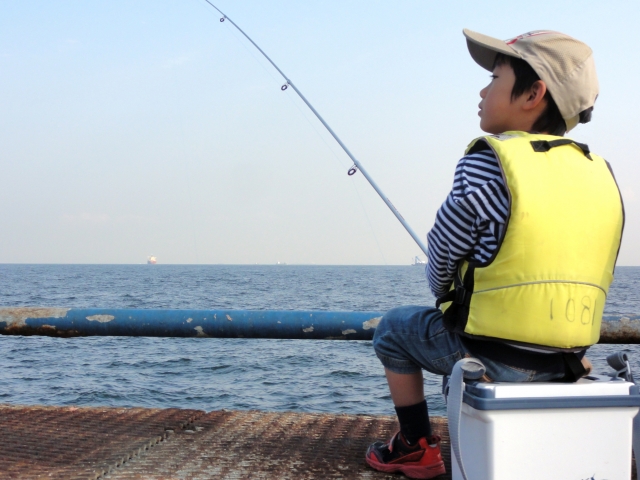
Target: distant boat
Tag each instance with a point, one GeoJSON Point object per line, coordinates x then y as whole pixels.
{"type": "Point", "coordinates": [417, 262]}
{"type": "Point", "coordinates": [151, 260]}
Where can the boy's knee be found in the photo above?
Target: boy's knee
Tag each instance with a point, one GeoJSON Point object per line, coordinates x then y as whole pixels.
{"type": "Point", "coordinates": [388, 321]}
{"type": "Point", "coordinates": [402, 322]}
{"type": "Point", "coordinates": [382, 328]}
{"type": "Point", "coordinates": [394, 321]}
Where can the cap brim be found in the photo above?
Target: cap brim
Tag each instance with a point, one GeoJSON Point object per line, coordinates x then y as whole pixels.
{"type": "Point", "coordinates": [483, 49]}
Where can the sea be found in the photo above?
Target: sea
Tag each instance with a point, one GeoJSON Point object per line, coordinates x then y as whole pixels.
{"type": "Point", "coordinates": [212, 374]}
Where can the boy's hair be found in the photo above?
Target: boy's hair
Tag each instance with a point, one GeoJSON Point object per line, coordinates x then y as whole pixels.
{"type": "Point", "coordinates": [550, 121]}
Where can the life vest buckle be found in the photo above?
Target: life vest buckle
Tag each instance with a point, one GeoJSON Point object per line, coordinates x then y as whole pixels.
{"type": "Point", "coordinates": [463, 296]}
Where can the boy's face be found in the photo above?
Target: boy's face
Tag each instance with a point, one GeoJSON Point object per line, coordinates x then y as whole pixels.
{"type": "Point", "coordinates": [498, 113]}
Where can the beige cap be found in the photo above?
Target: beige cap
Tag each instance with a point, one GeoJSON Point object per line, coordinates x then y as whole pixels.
{"type": "Point", "coordinates": [564, 64]}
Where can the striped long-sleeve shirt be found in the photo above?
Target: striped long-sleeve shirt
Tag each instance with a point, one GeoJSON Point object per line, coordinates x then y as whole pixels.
{"type": "Point", "coordinates": [470, 221]}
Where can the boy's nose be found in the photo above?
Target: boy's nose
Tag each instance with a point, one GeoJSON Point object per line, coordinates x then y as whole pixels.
{"type": "Point", "coordinates": [483, 92]}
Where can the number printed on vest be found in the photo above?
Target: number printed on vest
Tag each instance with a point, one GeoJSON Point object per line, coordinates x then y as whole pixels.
{"type": "Point", "coordinates": [587, 310]}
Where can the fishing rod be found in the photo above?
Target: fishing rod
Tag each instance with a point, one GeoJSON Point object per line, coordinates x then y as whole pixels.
{"type": "Point", "coordinates": [356, 164]}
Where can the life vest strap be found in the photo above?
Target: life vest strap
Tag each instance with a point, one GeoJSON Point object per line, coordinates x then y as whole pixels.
{"type": "Point", "coordinates": [573, 368]}
{"type": "Point", "coordinates": [459, 296]}
{"type": "Point", "coordinates": [523, 359]}
{"type": "Point", "coordinates": [546, 145]}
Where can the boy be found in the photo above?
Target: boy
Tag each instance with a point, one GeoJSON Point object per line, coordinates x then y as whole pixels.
{"type": "Point", "coordinates": [522, 251]}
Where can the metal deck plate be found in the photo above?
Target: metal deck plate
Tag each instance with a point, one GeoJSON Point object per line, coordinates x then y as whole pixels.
{"type": "Point", "coordinates": [262, 445]}
{"type": "Point", "coordinates": [80, 443]}
{"type": "Point", "coordinates": [153, 444]}
{"type": "Point", "coordinates": [137, 443]}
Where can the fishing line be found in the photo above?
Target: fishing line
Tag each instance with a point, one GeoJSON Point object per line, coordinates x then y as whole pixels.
{"type": "Point", "coordinates": [317, 132]}
{"type": "Point", "coordinates": [356, 164]}
{"type": "Point", "coordinates": [253, 55]}
{"type": "Point", "coordinates": [353, 184]}
{"type": "Point", "coordinates": [302, 114]}
{"type": "Point", "coordinates": [364, 210]}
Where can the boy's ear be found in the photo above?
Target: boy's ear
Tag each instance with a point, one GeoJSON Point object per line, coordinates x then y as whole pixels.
{"type": "Point", "coordinates": [535, 95]}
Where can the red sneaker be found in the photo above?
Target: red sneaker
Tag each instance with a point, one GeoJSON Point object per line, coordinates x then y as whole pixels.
{"type": "Point", "coordinates": [420, 461]}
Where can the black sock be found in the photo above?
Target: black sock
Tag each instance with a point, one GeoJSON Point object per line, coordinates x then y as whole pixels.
{"type": "Point", "coordinates": [414, 422]}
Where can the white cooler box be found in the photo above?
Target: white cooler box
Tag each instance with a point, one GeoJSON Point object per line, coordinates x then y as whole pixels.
{"type": "Point", "coordinates": [548, 431]}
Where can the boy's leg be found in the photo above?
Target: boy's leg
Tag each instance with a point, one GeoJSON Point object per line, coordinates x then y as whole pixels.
{"type": "Point", "coordinates": [407, 394]}
{"type": "Point", "coordinates": [405, 388]}
{"type": "Point", "coordinates": [407, 340]}
{"type": "Point", "coordinates": [413, 338]}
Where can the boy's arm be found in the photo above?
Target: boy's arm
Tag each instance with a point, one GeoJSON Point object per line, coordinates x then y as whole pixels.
{"type": "Point", "coordinates": [469, 223]}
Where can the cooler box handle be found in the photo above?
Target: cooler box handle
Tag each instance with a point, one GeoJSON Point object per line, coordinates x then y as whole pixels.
{"type": "Point", "coordinates": [470, 368]}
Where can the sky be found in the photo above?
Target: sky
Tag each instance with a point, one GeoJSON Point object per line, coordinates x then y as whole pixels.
{"type": "Point", "coordinates": [136, 128]}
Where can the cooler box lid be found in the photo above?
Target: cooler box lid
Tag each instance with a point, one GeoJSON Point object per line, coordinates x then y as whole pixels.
{"type": "Point", "coordinates": [592, 391]}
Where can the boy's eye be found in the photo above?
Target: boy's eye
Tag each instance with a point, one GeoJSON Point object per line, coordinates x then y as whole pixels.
{"type": "Point", "coordinates": [493, 77]}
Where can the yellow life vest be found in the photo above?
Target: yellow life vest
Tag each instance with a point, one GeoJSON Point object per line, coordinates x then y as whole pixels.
{"type": "Point", "coordinates": [547, 283]}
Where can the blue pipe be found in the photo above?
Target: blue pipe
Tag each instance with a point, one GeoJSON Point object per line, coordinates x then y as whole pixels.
{"type": "Point", "coordinates": [72, 322]}
{"type": "Point", "coordinates": [311, 325]}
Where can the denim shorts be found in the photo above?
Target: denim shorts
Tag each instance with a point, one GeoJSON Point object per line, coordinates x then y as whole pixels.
{"type": "Point", "coordinates": [412, 338]}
